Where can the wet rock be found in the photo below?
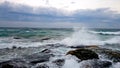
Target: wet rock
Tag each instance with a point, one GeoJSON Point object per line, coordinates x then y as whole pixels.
{"type": "Point", "coordinates": [42, 66]}
{"type": "Point", "coordinates": [14, 63]}
{"type": "Point", "coordinates": [108, 53]}
{"type": "Point", "coordinates": [47, 38]}
{"type": "Point", "coordinates": [38, 58]}
{"type": "Point", "coordinates": [84, 54]}
{"type": "Point", "coordinates": [46, 51]}
{"type": "Point", "coordinates": [103, 64]}
{"type": "Point", "coordinates": [81, 46]}
{"type": "Point", "coordinates": [14, 47]}
{"type": "Point", "coordinates": [16, 37]}
{"type": "Point", "coordinates": [59, 62]}
{"type": "Point", "coordinates": [95, 64]}
{"type": "Point", "coordinates": [56, 45]}
{"type": "Point", "coordinates": [114, 55]}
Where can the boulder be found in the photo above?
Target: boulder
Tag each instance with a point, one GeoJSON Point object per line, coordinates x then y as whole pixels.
{"type": "Point", "coordinates": [102, 64]}
{"type": "Point", "coordinates": [108, 53]}
{"type": "Point", "coordinates": [83, 54]}
{"type": "Point", "coordinates": [42, 65]}
{"type": "Point", "coordinates": [14, 63]}
{"type": "Point", "coordinates": [59, 62]}
{"type": "Point", "coordinates": [95, 64]}
{"type": "Point", "coordinates": [46, 51]}
{"type": "Point", "coordinates": [47, 38]}
{"type": "Point", "coordinates": [38, 58]}
{"type": "Point", "coordinates": [17, 37]}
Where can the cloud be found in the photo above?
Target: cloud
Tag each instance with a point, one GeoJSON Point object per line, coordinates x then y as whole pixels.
{"type": "Point", "coordinates": [102, 17]}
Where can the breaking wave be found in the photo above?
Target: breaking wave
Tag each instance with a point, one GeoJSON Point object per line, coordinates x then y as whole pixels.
{"type": "Point", "coordinates": [106, 33]}
{"type": "Point", "coordinates": [84, 36]}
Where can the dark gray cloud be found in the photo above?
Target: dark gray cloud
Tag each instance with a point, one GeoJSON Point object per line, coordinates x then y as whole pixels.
{"type": "Point", "coordinates": [102, 17]}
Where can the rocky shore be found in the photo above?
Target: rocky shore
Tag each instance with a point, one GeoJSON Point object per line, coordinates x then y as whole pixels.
{"type": "Point", "coordinates": [55, 56]}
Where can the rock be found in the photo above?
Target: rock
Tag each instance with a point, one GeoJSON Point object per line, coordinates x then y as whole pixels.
{"type": "Point", "coordinates": [84, 54]}
{"type": "Point", "coordinates": [46, 51]}
{"type": "Point", "coordinates": [14, 63]}
{"type": "Point", "coordinates": [108, 53]}
{"type": "Point", "coordinates": [14, 47]}
{"type": "Point", "coordinates": [103, 64]}
{"type": "Point", "coordinates": [56, 45]}
{"type": "Point", "coordinates": [59, 62]}
{"type": "Point", "coordinates": [42, 66]}
{"type": "Point", "coordinates": [16, 37]}
{"type": "Point", "coordinates": [38, 58]}
{"type": "Point", "coordinates": [81, 46]}
{"type": "Point", "coordinates": [47, 38]}
{"type": "Point", "coordinates": [95, 64]}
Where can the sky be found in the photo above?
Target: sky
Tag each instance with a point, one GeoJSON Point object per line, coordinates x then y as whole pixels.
{"type": "Point", "coordinates": [60, 13]}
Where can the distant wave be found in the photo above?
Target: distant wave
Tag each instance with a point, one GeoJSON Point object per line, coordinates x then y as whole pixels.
{"type": "Point", "coordinates": [106, 33]}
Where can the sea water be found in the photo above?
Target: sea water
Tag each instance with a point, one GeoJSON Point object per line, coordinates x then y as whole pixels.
{"type": "Point", "coordinates": [35, 37]}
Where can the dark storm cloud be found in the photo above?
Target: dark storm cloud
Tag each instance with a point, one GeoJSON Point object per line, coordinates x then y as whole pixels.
{"type": "Point", "coordinates": [22, 13]}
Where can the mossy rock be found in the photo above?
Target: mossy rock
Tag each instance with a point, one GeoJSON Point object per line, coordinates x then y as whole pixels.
{"type": "Point", "coordinates": [84, 54]}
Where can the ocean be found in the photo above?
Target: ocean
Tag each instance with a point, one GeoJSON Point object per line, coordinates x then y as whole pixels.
{"type": "Point", "coordinates": [78, 36]}
{"type": "Point", "coordinates": [36, 37]}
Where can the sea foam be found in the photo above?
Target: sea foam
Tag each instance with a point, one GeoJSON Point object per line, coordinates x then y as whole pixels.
{"type": "Point", "coordinates": [84, 36]}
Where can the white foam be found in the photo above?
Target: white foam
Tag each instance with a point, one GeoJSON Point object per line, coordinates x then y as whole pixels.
{"type": "Point", "coordinates": [106, 33]}
{"type": "Point", "coordinates": [117, 65]}
{"type": "Point", "coordinates": [113, 40]}
{"type": "Point", "coordinates": [9, 42]}
{"type": "Point", "coordinates": [84, 37]}
{"type": "Point", "coordinates": [81, 37]}
{"type": "Point", "coordinates": [71, 62]}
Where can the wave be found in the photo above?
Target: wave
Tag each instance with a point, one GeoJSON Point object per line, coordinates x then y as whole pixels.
{"type": "Point", "coordinates": [84, 37]}
{"type": "Point", "coordinates": [9, 42]}
{"type": "Point", "coordinates": [106, 33]}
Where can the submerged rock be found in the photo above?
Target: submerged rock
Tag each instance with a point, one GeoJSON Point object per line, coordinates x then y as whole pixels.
{"type": "Point", "coordinates": [38, 58]}
{"type": "Point", "coordinates": [46, 51]}
{"type": "Point", "coordinates": [59, 62]}
{"type": "Point", "coordinates": [42, 65]}
{"type": "Point", "coordinates": [81, 46]}
{"type": "Point", "coordinates": [16, 37]}
{"type": "Point", "coordinates": [47, 38]}
{"type": "Point", "coordinates": [95, 64]}
{"type": "Point", "coordinates": [14, 63]}
{"type": "Point", "coordinates": [84, 54]}
{"type": "Point", "coordinates": [103, 64]}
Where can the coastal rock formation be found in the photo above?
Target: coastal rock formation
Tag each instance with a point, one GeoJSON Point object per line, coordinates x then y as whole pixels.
{"type": "Point", "coordinates": [27, 61]}
{"type": "Point", "coordinates": [108, 53]}
{"type": "Point", "coordinates": [14, 63]}
{"type": "Point", "coordinates": [84, 54]}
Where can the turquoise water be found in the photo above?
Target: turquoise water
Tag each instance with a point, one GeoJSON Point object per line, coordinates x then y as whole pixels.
{"type": "Point", "coordinates": [40, 32]}
{"type": "Point", "coordinates": [32, 32]}
{"type": "Point", "coordinates": [38, 36]}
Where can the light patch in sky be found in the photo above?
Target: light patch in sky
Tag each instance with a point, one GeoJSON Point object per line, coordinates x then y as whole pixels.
{"type": "Point", "coordinates": [71, 5]}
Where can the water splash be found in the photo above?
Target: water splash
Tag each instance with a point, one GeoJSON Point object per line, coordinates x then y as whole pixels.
{"type": "Point", "coordinates": [71, 62]}
{"type": "Point", "coordinates": [83, 36]}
